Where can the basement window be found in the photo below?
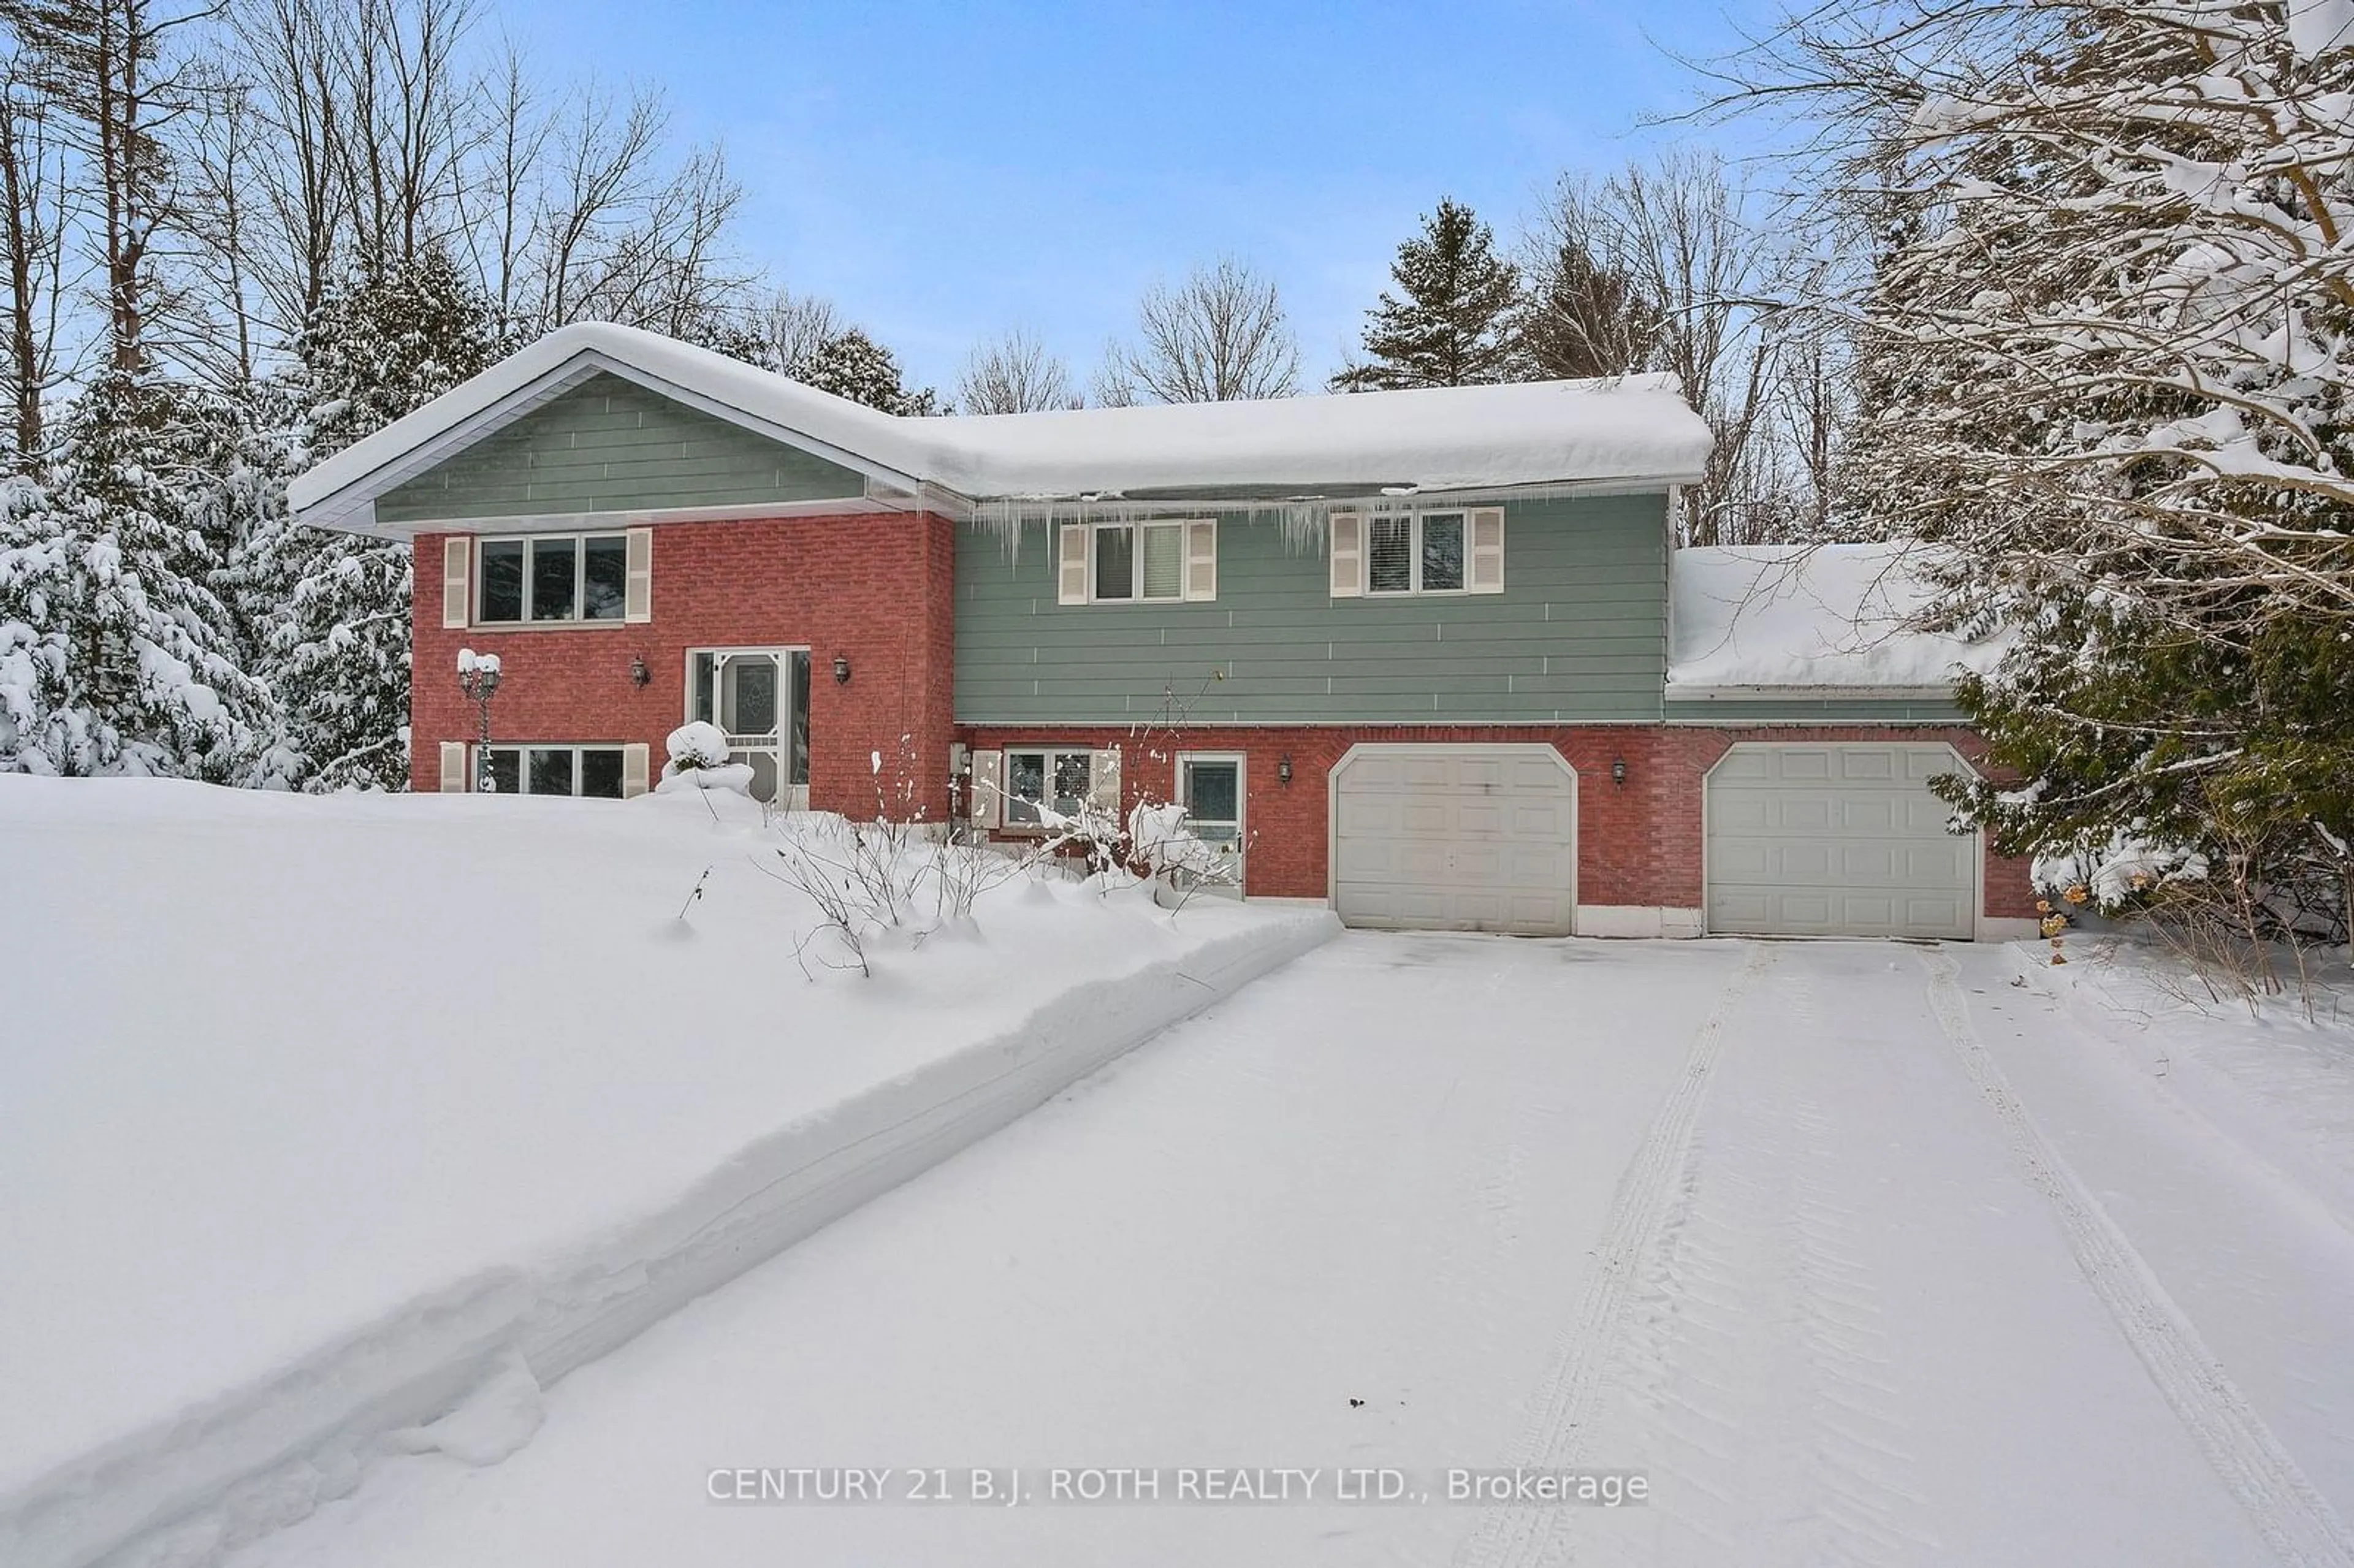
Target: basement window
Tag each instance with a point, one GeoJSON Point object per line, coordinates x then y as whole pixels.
{"type": "Point", "coordinates": [590, 771]}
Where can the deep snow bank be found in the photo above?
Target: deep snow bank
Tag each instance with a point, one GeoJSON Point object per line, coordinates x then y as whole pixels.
{"type": "Point", "coordinates": [322, 1114]}
{"type": "Point", "coordinates": [2273, 1076]}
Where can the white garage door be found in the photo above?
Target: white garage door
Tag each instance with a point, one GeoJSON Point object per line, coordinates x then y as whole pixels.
{"type": "Point", "coordinates": [1456, 838]}
{"type": "Point", "coordinates": [1839, 839]}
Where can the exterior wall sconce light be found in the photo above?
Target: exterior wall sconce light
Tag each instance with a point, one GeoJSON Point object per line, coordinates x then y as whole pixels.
{"type": "Point", "coordinates": [842, 668]}
{"type": "Point", "coordinates": [1619, 771]}
{"type": "Point", "coordinates": [640, 676]}
{"type": "Point", "coordinates": [1283, 768]}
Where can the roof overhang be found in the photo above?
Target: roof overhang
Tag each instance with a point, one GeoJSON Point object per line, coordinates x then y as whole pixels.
{"type": "Point", "coordinates": [351, 507]}
{"type": "Point", "coordinates": [1914, 693]}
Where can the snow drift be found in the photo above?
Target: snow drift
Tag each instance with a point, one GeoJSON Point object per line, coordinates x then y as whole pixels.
{"type": "Point", "coordinates": [340, 1110]}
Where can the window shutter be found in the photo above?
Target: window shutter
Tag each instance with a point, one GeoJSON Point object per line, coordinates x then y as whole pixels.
{"type": "Point", "coordinates": [1071, 583]}
{"type": "Point", "coordinates": [1347, 529]}
{"type": "Point", "coordinates": [1487, 551]}
{"type": "Point", "coordinates": [1103, 780]}
{"type": "Point", "coordinates": [454, 779]}
{"type": "Point", "coordinates": [636, 760]}
{"type": "Point", "coordinates": [1201, 559]}
{"type": "Point", "coordinates": [987, 788]}
{"type": "Point", "coordinates": [638, 593]}
{"type": "Point", "coordinates": [456, 581]}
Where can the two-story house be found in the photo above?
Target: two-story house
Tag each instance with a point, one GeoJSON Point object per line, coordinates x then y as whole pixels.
{"type": "Point", "coordinates": [1419, 653]}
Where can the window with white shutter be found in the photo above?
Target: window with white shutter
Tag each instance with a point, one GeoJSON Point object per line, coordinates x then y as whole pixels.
{"type": "Point", "coordinates": [1348, 534]}
{"type": "Point", "coordinates": [637, 762]}
{"type": "Point", "coordinates": [1201, 559]}
{"type": "Point", "coordinates": [454, 780]}
{"type": "Point", "coordinates": [456, 582]}
{"type": "Point", "coordinates": [638, 597]}
{"type": "Point", "coordinates": [1138, 563]}
{"type": "Point", "coordinates": [1103, 786]}
{"type": "Point", "coordinates": [1447, 551]}
{"type": "Point", "coordinates": [1043, 781]}
{"type": "Point", "coordinates": [1486, 550]}
{"type": "Point", "coordinates": [1071, 566]}
{"type": "Point", "coordinates": [987, 788]}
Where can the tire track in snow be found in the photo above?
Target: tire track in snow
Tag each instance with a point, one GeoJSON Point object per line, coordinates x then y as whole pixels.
{"type": "Point", "coordinates": [1653, 1189]}
{"type": "Point", "coordinates": [2294, 1519]}
{"type": "Point", "coordinates": [1756, 1387]}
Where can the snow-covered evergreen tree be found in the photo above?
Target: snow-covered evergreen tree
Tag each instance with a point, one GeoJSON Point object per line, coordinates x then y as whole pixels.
{"type": "Point", "coordinates": [1453, 325]}
{"type": "Point", "coordinates": [853, 365]}
{"type": "Point", "coordinates": [329, 613]}
{"type": "Point", "coordinates": [2105, 366]}
{"type": "Point", "coordinates": [116, 656]}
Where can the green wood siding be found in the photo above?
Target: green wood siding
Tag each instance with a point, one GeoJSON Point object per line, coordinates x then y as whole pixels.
{"type": "Point", "coordinates": [1814, 710]}
{"type": "Point", "coordinates": [1578, 635]}
{"type": "Point", "coordinates": [610, 445]}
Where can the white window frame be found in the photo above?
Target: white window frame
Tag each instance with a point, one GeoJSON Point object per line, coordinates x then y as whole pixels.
{"type": "Point", "coordinates": [579, 543]}
{"type": "Point", "coordinates": [1414, 548]}
{"type": "Point", "coordinates": [1136, 559]}
{"type": "Point", "coordinates": [1009, 800]}
{"type": "Point", "coordinates": [523, 765]}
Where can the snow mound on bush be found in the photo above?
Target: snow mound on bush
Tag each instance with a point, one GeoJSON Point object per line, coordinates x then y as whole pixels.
{"type": "Point", "coordinates": [697, 745]}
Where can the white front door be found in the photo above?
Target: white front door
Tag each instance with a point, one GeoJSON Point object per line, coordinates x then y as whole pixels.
{"type": "Point", "coordinates": [1210, 788]}
{"type": "Point", "coordinates": [759, 699]}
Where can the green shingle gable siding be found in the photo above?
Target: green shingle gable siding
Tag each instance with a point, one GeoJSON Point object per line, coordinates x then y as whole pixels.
{"type": "Point", "coordinates": [610, 445]}
{"type": "Point", "coordinates": [1578, 635]}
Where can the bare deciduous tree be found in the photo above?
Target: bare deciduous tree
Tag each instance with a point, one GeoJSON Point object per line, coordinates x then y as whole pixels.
{"type": "Point", "coordinates": [1219, 335]}
{"type": "Point", "coordinates": [792, 330]}
{"type": "Point", "coordinates": [33, 180]}
{"type": "Point", "coordinates": [108, 71]}
{"type": "Point", "coordinates": [1016, 375]}
{"type": "Point", "coordinates": [1676, 233]}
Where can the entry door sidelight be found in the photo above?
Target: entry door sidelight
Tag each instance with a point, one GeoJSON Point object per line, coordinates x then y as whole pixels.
{"type": "Point", "coordinates": [759, 699]}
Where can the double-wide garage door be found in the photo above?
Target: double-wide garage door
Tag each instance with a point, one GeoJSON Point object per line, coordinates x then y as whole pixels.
{"type": "Point", "coordinates": [1456, 838]}
{"type": "Point", "coordinates": [1839, 839]}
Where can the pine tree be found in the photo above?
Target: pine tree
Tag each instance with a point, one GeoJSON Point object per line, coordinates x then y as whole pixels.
{"type": "Point", "coordinates": [329, 614]}
{"type": "Point", "coordinates": [1454, 327]}
{"type": "Point", "coordinates": [1582, 317]}
{"type": "Point", "coordinates": [116, 656]}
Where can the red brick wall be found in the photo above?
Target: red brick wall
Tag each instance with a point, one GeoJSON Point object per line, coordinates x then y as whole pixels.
{"type": "Point", "coordinates": [878, 587]}
{"type": "Point", "coordinates": [1638, 845]}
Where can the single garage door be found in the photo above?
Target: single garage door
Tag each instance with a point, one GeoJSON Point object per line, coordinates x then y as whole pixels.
{"type": "Point", "coordinates": [1839, 839]}
{"type": "Point", "coordinates": [1456, 838]}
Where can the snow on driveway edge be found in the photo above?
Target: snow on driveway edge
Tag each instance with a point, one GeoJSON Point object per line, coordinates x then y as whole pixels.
{"type": "Point", "coordinates": [179, 1496]}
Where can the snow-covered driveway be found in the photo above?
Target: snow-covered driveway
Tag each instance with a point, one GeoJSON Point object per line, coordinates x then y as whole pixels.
{"type": "Point", "coordinates": [1804, 1234]}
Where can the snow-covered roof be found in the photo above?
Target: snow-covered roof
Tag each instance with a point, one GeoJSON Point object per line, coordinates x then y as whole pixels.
{"type": "Point", "coordinates": [1633, 430]}
{"type": "Point", "coordinates": [1820, 617]}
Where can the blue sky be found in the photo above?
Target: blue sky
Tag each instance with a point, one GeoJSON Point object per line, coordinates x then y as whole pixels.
{"type": "Point", "coordinates": [944, 172]}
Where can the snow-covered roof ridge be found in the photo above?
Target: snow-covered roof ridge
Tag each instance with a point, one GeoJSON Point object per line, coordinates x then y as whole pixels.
{"type": "Point", "coordinates": [1820, 617]}
{"type": "Point", "coordinates": [1635, 430]}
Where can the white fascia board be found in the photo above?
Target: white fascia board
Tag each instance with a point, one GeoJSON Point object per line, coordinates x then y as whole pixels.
{"type": "Point", "coordinates": [1808, 694]}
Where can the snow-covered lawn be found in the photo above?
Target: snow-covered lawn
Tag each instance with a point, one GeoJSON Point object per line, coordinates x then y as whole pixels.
{"type": "Point", "coordinates": [312, 1110]}
{"type": "Point", "coordinates": [1857, 1253]}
